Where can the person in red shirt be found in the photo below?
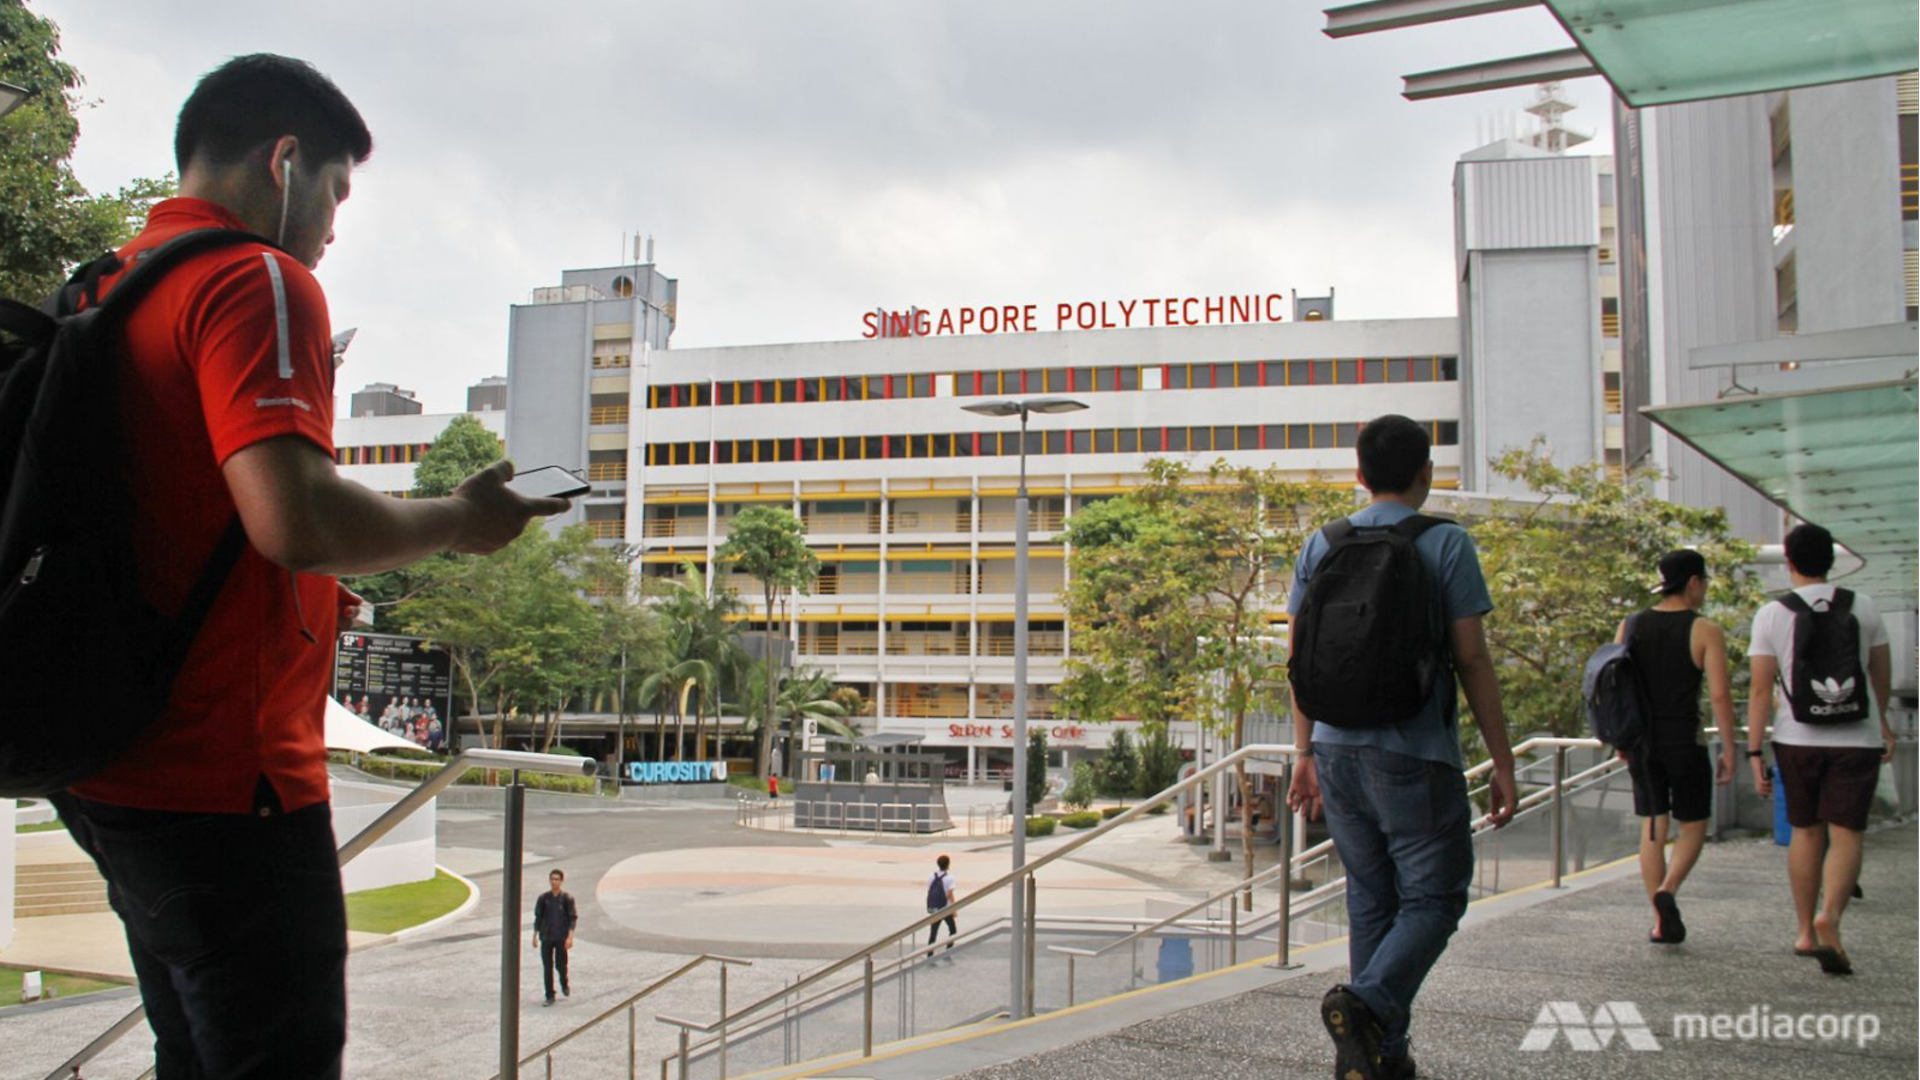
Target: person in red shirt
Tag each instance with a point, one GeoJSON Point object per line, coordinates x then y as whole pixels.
{"type": "Point", "coordinates": [213, 829]}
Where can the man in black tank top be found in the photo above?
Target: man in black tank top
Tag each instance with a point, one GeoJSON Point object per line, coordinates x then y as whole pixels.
{"type": "Point", "coordinates": [1675, 650]}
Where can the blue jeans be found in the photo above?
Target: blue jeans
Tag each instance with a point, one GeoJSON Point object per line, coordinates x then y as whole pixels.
{"type": "Point", "coordinates": [1402, 826]}
{"type": "Point", "coordinates": [237, 931]}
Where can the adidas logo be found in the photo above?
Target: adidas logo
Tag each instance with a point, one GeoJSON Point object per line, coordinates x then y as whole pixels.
{"type": "Point", "coordinates": [1833, 691]}
{"type": "Point", "coordinates": [1589, 1033]}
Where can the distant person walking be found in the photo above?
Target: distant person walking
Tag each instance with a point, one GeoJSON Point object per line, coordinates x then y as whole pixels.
{"type": "Point", "coordinates": [1821, 648]}
{"type": "Point", "coordinates": [554, 917]}
{"type": "Point", "coordinates": [941, 893]}
{"type": "Point", "coordinates": [1675, 650]}
{"type": "Point", "coordinates": [1387, 606]}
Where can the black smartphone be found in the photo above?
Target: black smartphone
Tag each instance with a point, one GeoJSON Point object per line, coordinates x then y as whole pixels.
{"type": "Point", "coordinates": [549, 482]}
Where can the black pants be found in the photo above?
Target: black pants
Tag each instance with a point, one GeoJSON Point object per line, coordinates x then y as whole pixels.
{"type": "Point", "coordinates": [933, 932]}
{"type": "Point", "coordinates": [554, 954]}
{"type": "Point", "coordinates": [237, 931]}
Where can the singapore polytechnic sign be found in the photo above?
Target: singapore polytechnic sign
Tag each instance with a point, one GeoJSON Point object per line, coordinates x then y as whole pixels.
{"type": "Point", "coordinates": [676, 772]}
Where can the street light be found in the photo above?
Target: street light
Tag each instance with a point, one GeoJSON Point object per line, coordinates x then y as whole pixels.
{"type": "Point", "coordinates": [1019, 1004]}
{"type": "Point", "coordinates": [10, 98]}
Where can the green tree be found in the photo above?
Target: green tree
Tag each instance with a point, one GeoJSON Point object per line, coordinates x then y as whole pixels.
{"type": "Point", "coordinates": [769, 544]}
{"type": "Point", "coordinates": [1036, 767]}
{"type": "Point", "coordinates": [1080, 789]}
{"type": "Point", "coordinates": [804, 695]}
{"type": "Point", "coordinates": [1174, 592]}
{"type": "Point", "coordinates": [49, 223]}
{"type": "Point", "coordinates": [703, 645]}
{"type": "Point", "coordinates": [1566, 563]}
{"type": "Point", "coordinates": [1120, 765]}
{"type": "Point", "coordinates": [463, 448]}
{"type": "Point", "coordinates": [1159, 760]}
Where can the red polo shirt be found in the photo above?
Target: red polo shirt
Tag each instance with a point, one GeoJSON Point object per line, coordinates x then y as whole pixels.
{"type": "Point", "coordinates": [230, 348]}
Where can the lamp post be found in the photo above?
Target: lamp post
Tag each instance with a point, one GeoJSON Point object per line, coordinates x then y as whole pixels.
{"type": "Point", "coordinates": [1023, 408]}
{"type": "Point", "coordinates": [11, 96]}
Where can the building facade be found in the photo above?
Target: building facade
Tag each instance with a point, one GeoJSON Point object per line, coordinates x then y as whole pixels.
{"type": "Point", "coordinates": [907, 499]}
{"type": "Point", "coordinates": [381, 452]}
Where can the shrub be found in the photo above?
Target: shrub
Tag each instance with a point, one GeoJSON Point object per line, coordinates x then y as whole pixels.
{"type": "Point", "coordinates": [415, 771]}
{"type": "Point", "coordinates": [1159, 761]}
{"type": "Point", "coordinates": [1039, 826]}
{"type": "Point", "coordinates": [1159, 808]}
{"type": "Point", "coordinates": [1085, 819]}
{"type": "Point", "coordinates": [1120, 766]}
{"type": "Point", "coordinates": [1113, 812]}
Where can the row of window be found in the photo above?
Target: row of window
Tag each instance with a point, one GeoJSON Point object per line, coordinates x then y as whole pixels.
{"type": "Point", "coordinates": [401, 454]}
{"type": "Point", "coordinates": [1155, 440]}
{"type": "Point", "coordinates": [1080, 380]}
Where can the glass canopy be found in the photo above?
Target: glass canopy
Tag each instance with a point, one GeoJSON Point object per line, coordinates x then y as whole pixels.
{"type": "Point", "coordinates": [1846, 458]}
{"type": "Point", "coordinates": [1656, 52]}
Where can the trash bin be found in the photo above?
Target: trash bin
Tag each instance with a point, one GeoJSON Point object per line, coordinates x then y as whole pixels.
{"type": "Point", "coordinates": [1782, 832]}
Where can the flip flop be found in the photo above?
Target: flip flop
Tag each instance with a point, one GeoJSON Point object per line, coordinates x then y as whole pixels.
{"type": "Point", "coordinates": [1833, 961]}
{"type": "Point", "coordinates": [1798, 951]}
{"type": "Point", "coordinates": [1672, 930]}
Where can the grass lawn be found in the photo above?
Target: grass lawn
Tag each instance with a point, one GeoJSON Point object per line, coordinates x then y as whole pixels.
{"type": "Point", "coordinates": [44, 826]}
{"type": "Point", "coordinates": [61, 985]}
{"type": "Point", "coordinates": [383, 911]}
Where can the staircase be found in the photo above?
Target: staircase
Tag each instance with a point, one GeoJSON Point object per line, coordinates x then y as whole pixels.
{"type": "Point", "coordinates": [58, 888]}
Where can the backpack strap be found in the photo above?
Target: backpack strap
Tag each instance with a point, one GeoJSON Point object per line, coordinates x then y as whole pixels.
{"type": "Point", "coordinates": [143, 270]}
{"type": "Point", "coordinates": [1337, 530]}
{"type": "Point", "coordinates": [1797, 604]}
{"type": "Point", "coordinates": [1842, 601]}
{"type": "Point", "coordinates": [206, 589]}
{"type": "Point", "coordinates": [1416, 526]}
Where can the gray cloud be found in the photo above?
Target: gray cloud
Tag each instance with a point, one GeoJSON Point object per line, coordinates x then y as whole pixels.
{"type": "Point", "coordinates": [800, 162]}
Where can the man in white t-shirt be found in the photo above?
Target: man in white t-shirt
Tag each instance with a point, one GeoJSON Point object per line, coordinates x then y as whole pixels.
{"type": "Point", "coordinates": [1828, 770]}
{"type": "Point", "coordinates": [942, 888]}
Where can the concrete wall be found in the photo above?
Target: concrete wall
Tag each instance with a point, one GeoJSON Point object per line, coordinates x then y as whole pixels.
{"type": "Point", "coordinates": [1846, 192]}
{"type": "Point", "coordinates": [403, 855]}
{"type": "Point", "coordinates": [1532, 319]}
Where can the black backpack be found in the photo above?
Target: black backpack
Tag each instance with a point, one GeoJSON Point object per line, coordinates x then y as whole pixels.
{"type": "Point", "coordinates": [87, 664]}
{"type": "Point", "coordinates": [1618, 709]}
{"type": "Point", "coordinates": [1827, 685]}
{"type": "Point", "coordinates": [937, 892]}
{"type": "Point", "coordinates": [1368, 645]}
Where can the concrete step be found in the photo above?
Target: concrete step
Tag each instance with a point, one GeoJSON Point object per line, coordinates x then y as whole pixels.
{"type": "Point", "coordinates": [65, 907]}
{"type": "Point", "coordinates": [77, 873]}
{"type": "Point", "coordinates": [27, 890]}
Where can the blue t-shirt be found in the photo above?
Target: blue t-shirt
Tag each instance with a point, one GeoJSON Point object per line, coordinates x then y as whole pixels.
{"type": "Point", "coordinates": [1453, 564]}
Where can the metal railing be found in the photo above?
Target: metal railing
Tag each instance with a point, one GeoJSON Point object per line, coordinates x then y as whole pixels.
{"type": "Point", "coordinates": [819, 987]}
{"type": "Point", "coordinates": [512, 848]}
{"type": "Point", "coordinates": [629, 1007]}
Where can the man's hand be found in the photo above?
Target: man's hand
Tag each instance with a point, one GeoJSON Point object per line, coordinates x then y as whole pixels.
{"type": "Point", "coordinates": [495, 516]}
{"type": "Point", "coordinates": [1304, 796]}
{"type": "Point", "coordinates": [1886, 734]}
{"type": "Point", "coordinates": [1502, 794]}
{"type": "Point", "coordinates": [569, 942]}
{"type": "Point", "coordinates": [350, 604]}
{"type": "Point", "coordinates": [1723, 772]}
{"type": "Point", "coordinates": [1762, 777]}
{"type": "Point", "coordinates": [536, 941]}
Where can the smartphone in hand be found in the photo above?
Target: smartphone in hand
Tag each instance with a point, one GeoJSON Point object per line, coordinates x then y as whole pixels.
{"type": "Point", "coordinates": [549, 482]}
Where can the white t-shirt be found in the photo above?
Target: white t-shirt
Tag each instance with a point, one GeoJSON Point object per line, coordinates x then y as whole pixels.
{"type": "Point", "coordinates": [1773, 636]}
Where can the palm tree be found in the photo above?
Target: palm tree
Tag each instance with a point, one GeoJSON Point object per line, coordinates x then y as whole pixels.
{"type": "Point", "coordinates": [807, 694]}
{"type": "Point", "coordinates": [703, 649]}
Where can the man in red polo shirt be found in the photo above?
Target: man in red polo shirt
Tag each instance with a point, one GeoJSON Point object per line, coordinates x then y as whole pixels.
{"type": "Point", "coordinates": [213, 830]}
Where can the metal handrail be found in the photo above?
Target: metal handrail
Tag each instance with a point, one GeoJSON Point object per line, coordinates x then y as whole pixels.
{"type": "Point", "coordinates": [516, 761]}
{"type": "Point", "coordinates": [651, 988]}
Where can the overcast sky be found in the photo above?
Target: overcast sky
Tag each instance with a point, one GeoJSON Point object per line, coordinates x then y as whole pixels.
{"type": "Point", "coordinates": [799, 163]}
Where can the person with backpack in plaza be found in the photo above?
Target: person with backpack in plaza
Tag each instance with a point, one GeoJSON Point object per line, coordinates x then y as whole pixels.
{"type": "Point", "coordinates": [1387, 609]}
{"type": "Point", "coordinates": [555, 917]}
{"type": "Point", "coordinates": [1674, 650]}
{"type": "Point", "coordinates": [211, 824]}
{"type": "Point", "coordinates": [1823, 651]}
{"type": "Point", "coordinates": [941, 894]}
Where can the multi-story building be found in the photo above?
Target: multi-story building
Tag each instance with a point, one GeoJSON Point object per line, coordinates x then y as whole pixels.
{"type": "Point", "coordinates": [907, 498]}
{"type": "Point", "coordinates": [488, 395]}
{"type": "Point", "coordinates": [1747, 222]}
{"type": "Point", "coordinates": [383, 399]}
{"type": "Point", "coordinates": [381, 451]}
{"type": "Point", "coordinates": [1539, 299]}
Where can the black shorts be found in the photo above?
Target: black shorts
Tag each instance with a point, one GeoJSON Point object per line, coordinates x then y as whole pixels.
{"type": "Point", "coordinates": [1831, 784]}
{"type": "Point", "coordinates": [1672, 780]}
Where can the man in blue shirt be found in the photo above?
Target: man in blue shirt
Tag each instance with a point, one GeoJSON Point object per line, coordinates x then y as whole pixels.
{"type": "Point", "coordinates": [1395, 800]}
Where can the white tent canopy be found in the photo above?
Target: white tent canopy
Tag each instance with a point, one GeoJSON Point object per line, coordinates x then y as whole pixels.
{"type": "Point", "coordinates": [346, 731]}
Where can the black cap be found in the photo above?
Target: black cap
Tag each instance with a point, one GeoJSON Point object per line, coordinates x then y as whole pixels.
{"type": "Point", "coordinates": [1677, 567]}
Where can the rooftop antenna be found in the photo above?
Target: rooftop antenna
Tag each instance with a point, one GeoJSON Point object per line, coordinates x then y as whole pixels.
{"type": "Point", "coordinates": [649, 250]}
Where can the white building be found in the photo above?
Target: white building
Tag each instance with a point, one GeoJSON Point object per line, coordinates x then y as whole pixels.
{"type": "Point", "coordinates": [908, 499]}
{"type": "Point", "coordinates": [382, 451]}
